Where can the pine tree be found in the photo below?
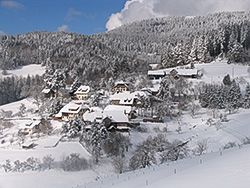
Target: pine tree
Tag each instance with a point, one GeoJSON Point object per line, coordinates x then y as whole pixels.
{"type": "Point", "coordinates": [236, 52]}
{"type": "Point", "coordinates": [246, 99]}
{"type": "Point", "coordinates": [98, 134]}
{"type": "Point", "coordinates": [233, 99]}
{"type": "Point", "coordinates": [227, 80]}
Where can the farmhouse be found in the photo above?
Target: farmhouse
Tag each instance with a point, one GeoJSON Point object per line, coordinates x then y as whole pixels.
{"type": "Point", "coordinates": [83, 92]}
{"type": "Point", "coordinates": [120, 87]}
{"type": "Point", "coordinates": [114, 117]}
{"type": "Point", "coordinates": [174, 72]}
{"type": "Point", "coordinates": [126, 98]}
{"type": "Point", "coordinates": [48, 93]}
{"type": "Point", "coordinates": [72, 110]}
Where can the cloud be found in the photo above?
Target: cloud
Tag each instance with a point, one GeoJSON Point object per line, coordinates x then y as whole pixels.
{"type": "Point", "coordinates": [72, 14]}
{"type": "Point", "coordinates": [136, 10]}
{"type": "Point", "coordinates": [10, 4]}
{"type": "Point", "coordinates": [63, 28]}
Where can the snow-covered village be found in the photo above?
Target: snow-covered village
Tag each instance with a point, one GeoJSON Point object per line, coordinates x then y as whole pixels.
{"type": "Point", "coordinates": [159, 101]}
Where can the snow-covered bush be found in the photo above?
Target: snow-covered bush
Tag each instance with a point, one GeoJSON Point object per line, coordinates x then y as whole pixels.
{"type": "Point", "coordinates": [229, 145]}
{"type": "Point", "coordinates": [74, 162]}
{"type": "Point", "coordinates": [119, 164]}
{"type": "Point", "coordinates": [116, 144]}
{"type": "Point", "coordinates": [176, 150]}
{"type": "Point", "coordinates": [201, 147]}
{"type": "Point", "coordinates": [73, 128]}
{"type": "Point", "coordinates": [246, 140]}
{"type": "Point", "coordinates": [47, 162]}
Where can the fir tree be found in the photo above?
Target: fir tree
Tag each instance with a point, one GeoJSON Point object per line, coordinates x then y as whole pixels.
{"type": "Point", "coordinates": [246, 99]}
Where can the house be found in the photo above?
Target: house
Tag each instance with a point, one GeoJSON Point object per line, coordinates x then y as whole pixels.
{"type": "Point", "coordinates": [48, 93]}
{"type": "Point", "coordinates": [36, 126]}
{"type": "Point", "coordinates": [94, 114]}
{"type": "Point", "coordinates": [126, 98]}
{"type": "Point", "coordinates": [151, 91]}
{"type": "Point", "coordinates": [82, 93]}
{"type": "Point", "coordinates": [72, 110]}
{"type": "Point", "coordinates": [174, 72]}
{"type": "Point", "coordinates": [120, 87]}
{"type": "Point", "coordinates": [114, 117]}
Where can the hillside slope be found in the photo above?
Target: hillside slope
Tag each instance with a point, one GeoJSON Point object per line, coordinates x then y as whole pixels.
{"type": "Point", "coordinates": [231, 169]}
{"type": "Point", "coordinates": [181, 39]}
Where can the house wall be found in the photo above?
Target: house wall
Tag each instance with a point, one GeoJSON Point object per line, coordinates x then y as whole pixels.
{"type": "Point", "coordinates": [82, 96]}
{"type": "Point", "coordinates": [115, 102]}
{"type": "Point", "coordinates": [120, 89]}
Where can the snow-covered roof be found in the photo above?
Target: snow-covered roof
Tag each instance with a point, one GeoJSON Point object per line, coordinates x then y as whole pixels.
{"type": "Point", "coordinates": [115, 112]}
{"type": "Point", "coordinates": [72, 108]}
{"type": "Point", "coordinates": [93, 114]}
{"type": "Point", "coordinates": [187, 71]}
{"type": "Point", "coordinates": [126, 97]}
{"type": "Point", "coordinates": [34, 123]}
{"type": "Point", "coordinates": [121, 83]}
{"type": "Point", "coordinates": [160, 72]}
{"type": "Point", "coordinates": [181, 71]}
{"type": "Point", "coordinates": [150, 89]}
{"type": "Point", "coordinates": [46, 91]}
{"type": "Point", "coordinates": [83, 89]}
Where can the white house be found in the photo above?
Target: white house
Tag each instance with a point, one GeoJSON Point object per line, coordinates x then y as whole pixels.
{"type": "Point", "coordinates": [126, 98]}
{"type": "Point", "coordinates": [83, 92]}
{"type": "Point", "coordinates": [116, 112]}
{"type": "Point", "coordinates": [72, 110]}
{"type": "Point", "coordinates": [120, 86]}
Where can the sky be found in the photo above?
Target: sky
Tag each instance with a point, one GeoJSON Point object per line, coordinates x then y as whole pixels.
{"type": "Point", "coordinates": [81, 16]}
{"type": "Point", "coordinates": [95, 16]}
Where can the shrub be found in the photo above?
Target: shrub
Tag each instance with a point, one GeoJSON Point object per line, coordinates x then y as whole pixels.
{"type": "Point", "coordinates": [74, 162]}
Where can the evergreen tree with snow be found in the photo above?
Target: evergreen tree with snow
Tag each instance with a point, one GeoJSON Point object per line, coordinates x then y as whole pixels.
{"type": "Point", "coordinates": [72, 129]}
{"type": "Point", "coordinates": [227, 80]}
{"type": "Point", "coordinates": [236, 52]}
{"type": "Point", "coordinates": [98, 134]}
{"type": "Point", "coordinates": [246, 99]}
{"type": "Point", "coordinates": [233, 97]}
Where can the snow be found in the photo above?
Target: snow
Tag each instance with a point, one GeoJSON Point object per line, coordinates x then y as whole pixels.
{"type": "Point", "coordinates": [46, 179]}
{"type": "Point", "coordinates": [180, 70]}
{"type": "Point", "coordinates": [24, 71]}
{"type": "Point", "coordinates": [227, 169]}
{"type": "Point", "coordinates": [83, 89]}
{"type": "Point", "coordinates": [62, 150]}
{"type": "Point", "coordinates": [73, 107]}
{"type": "Point", "coordinates": [127, 98]}
{"type": "Point", "coordinates": [46, 91]}
{"type": "Point", "coordinates": [115, 112]}
{"type": "Point", "coordinates": [14, 107]}
{"type": "Point", "coordinates": [232, 169]}
{"type": "Point", "coordinates": [93, 114]}
{"type": "Point", "coordinates": [215, 71]}
{"type": "Point", "coordinates": [120, 83]}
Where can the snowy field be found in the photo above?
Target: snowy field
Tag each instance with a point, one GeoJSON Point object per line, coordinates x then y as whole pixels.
{"type": "Point", "coordinates": [215, 71]}
{"type": "Point", "coordinates": [229, 169]}
{"type": "Point", "coordinates": [24, 71]}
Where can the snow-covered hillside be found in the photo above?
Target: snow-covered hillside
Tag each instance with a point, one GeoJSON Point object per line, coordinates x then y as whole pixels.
{"type": "Point", "coordinates": [215, 71]}
{"type": "Point", "coordinates": [24, 71]}
{"type": "Point", "coordinates": [228, 169]}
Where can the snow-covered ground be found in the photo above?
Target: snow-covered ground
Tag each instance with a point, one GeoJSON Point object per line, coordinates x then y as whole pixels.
{"type": "Point", "coordinates": [215, 71]}
{"type": "Point", "coordinates": [228, 169]}
{"type": "Point", "coordinates": [24, 71]}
